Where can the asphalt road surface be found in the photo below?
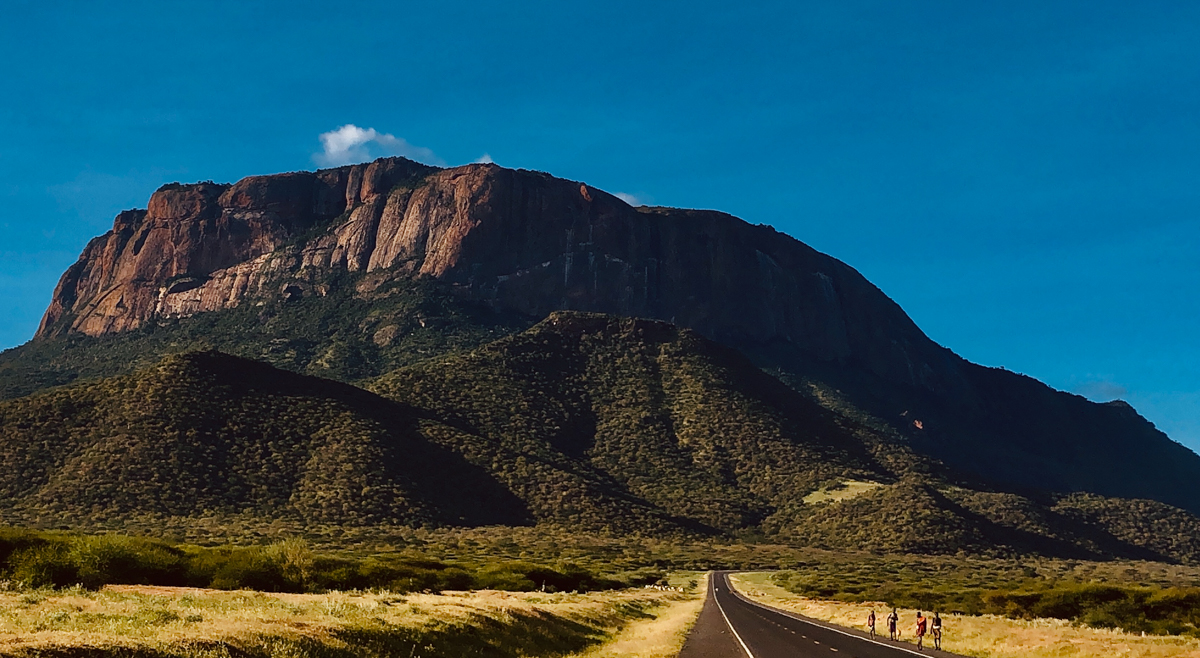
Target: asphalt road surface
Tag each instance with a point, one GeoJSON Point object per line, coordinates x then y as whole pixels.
{"type": "Point", "coordinates": [730, 626]}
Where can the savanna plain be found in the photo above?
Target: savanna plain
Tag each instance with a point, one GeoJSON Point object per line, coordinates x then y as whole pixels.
{"type": "Point", "coordinates": [528, 592]}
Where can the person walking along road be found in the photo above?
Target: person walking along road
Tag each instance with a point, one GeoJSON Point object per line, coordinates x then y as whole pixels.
{"type": "Point", "coordinates": [892, 620]}
{"type": "Point", "coordinates": [920, 630]}
{"type": "Point", "coordinates": [871, 623]}
{"type": "Point", "coordinates": [936, 627]}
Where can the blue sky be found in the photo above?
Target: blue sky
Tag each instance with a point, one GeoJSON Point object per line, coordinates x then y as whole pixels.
{"type": "Point", "coordinates": [1022, 177]}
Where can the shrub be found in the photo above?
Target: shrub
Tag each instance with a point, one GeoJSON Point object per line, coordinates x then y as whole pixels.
{"type": "Point", "coordinates": [44, 565]}
{"type": "Point", "coordinates": [103, 559]}
{"type": "Point", "coordinates": [57, 560]}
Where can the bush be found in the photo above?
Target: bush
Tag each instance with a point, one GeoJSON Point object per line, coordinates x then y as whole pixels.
{"type": "Point", "coordinates": [102, 559]}
{"type": "Point", "coordinates": [43, 565]}
{"type": "Point", "coordinates": [56, 560]}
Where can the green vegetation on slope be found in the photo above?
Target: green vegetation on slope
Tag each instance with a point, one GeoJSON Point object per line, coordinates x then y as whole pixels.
{"type": "Point", "coordinates": [645, 406]}
{"type": "Point", "coordinates": [588, 422]}
{"type": "Point", "coordinates": [206, 433]}
{"type": "Point", "coordinates": [362, 325]}
{"type": "Point", "coordinates": [1160, 528]}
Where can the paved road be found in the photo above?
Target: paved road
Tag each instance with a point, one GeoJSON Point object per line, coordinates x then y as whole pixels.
{"type": "Point", "coordinates": [730, 626]}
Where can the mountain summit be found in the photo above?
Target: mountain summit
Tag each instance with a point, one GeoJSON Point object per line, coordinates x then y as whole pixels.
{"type": "Point", "coordinates": [352, 272]}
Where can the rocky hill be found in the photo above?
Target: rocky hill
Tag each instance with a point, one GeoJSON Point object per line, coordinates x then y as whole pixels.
{"type": "Point", "coordinates": [589, 422]}
{"type": "Point", "coordinates": [351, 272]}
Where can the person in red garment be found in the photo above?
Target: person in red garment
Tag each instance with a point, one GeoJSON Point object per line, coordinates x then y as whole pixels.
{"type": "Point", "coordinates": [921, 625]}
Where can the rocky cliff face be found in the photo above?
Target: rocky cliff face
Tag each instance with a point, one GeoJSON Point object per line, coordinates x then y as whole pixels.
{"type": "Point", "coordinates": [195, 247]}
{"type": "Point", "coordinates": [518, 240]}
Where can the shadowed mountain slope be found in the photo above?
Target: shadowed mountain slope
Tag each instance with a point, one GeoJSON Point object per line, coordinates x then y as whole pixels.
{"type": "Point", "coordinates": [682, 422]}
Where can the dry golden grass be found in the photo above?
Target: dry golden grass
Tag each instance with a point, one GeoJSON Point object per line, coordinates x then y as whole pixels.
{"type": "Point", "coordinates": [660, 637]}
{"type": "Point", "coordinates": [146, 621]}
{"type": "Point", "coordinates": [984, 636]}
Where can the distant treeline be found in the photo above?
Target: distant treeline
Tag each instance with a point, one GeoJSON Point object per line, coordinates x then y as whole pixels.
{"type": "Point", "coordinates": [31, 559]}
{"type": "Point", "coordinates": [1157, 610]}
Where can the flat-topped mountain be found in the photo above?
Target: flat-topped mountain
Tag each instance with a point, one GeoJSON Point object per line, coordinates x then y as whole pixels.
{"type": "Point", "coordinates": [355, 271]}
{"type": "Point", "coordinates": [516, 239]}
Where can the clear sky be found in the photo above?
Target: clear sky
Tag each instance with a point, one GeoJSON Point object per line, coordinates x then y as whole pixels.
{"type": "Point", "coordinates": [1022, 177]}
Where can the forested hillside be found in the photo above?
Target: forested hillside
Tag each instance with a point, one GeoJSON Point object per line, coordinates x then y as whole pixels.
{"type": "Point", "coordinates": [585, 422]}
{"type": "Point", "coordinates": [206, 433]}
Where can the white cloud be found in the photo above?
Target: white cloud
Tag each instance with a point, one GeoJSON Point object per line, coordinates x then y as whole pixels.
{"type": "Point", "coordinates": [485, 159]}
{"type": "Point", "coordinates": [631, 199]}
{"type": "Point", "coordinates": [351, 144]}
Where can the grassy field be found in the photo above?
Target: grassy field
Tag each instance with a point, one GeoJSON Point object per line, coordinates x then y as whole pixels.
{"type": "Point", "coordinates": [985, 636]}
{"type": "Point", "coordinates": [194, 623]}
{"type": "Point", "coordinates": [1150, 597]}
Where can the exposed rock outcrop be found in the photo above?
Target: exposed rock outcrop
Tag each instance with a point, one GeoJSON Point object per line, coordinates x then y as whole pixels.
{"type": "Point", "coordinates": [203, 240]}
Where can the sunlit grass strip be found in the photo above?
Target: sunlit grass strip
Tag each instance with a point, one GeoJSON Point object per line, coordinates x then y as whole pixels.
{"type": "Point", "coordinates": [660, 635]}
{"type": "Point", "coordinates": [984, 636]}
{"type": "Point", "coordinates": [191, 623]}
{"type": "Point", "coordinates": [846, 490]}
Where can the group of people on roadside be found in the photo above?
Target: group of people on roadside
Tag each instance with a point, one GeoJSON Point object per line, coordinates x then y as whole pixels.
{"type": "Point", "coordinates": [923, 627]}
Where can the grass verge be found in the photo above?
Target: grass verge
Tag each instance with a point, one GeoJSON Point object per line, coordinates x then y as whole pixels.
{"type": "Point", "coordinates": [984, 636]}
{"type": "Point", "coordinates": [663, 635]}
{"type": "Point", "coordinates": [155, 622]}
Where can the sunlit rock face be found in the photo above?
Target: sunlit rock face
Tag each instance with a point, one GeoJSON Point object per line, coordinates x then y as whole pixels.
{"type": "Point", "coordinates": [519, 240]}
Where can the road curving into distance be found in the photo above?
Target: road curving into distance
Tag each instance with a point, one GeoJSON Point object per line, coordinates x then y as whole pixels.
{"type": "Point", "coordinates": [732, 626]}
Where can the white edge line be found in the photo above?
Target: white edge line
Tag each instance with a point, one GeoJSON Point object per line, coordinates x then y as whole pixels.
{"type": "Point", "coordinates": [727, 622]}
{"type": "Point", "coordinates": [785, 613]}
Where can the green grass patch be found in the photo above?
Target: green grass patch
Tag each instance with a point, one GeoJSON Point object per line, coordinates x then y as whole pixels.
{"type": "Point", "coordinates": [31, 559]}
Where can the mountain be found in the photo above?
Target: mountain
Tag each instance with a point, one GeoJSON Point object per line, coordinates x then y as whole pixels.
{"type": "Point", "coordinates": [352, 272]}
{"type": "Point", "coordinates": [590, 422]}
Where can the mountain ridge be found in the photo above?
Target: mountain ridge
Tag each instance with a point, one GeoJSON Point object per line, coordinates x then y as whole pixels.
{"type": "Point", "coordinates": [526, 244]}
